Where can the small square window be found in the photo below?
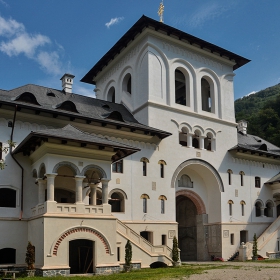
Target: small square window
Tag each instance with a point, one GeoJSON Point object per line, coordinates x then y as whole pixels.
{"type": "Point", "coordinates": [257, 182]}
{"type": "Point", "coordinates": [117, 167]}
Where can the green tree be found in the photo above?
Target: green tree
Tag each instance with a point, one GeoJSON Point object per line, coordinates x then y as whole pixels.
{"type": "Point", "coordinates": [128, 253]}
{"type": "Point", "coordinates": [175, 250]}
{"type": "Point", "coordinates": [255, 248]}
{"type": "Point", "coordinates": [30, 256]}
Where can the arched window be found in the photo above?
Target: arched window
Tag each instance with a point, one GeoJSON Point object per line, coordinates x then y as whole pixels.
{"type": "Point", "coordinates": [180, 88]}
{"type": "Point", "coordinates": [144, 162]}
{"type": "Point", "coordinates": [241, 173]}
{"type": "Point", "coordinates": [127, 83]}
{"type": "Point", "coordinates": [229, 176]}
{"type": "Point", "coordinates": [185, 182]}
{"type": "Point", "coordinates": [111, 95]}
{"type": "Point", "coordinates": [8, 197]}
{"type": "Point", "coordinates": [268, 211]}
{"type": "Point", "coordinates": [242, 202]}
{"type": "Point", "coordinates": [7, 256]}
{"type": "Point", "coordinates": [117, 202]}
{"type": "Point", "coordinates": [208, 142]}
{"type": "Point", "coordinates": [183, 137]}
{"type": "Point", "coordinates": [257, 182]}
{"type": "Point", "coordinates": [162, 163]}
{"type": "Point", "coordinates": [145, 197]}
{"type": "Point", "coordinates": [207, 95]}
{"type": "Point", "coordinates": [258, 206]}
{"type": "Point", "coordinates": [162, 199]}
{"type": "Point", "coordinates": [230, 202]}
{"type": "Point", "coordinates": [195, 140]}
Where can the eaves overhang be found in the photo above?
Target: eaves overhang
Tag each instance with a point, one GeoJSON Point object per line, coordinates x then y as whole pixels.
{"type": "Point", "coordinates": [133, 127]}
{"type": "Point", "coordinates": [34, 140]}
{"type": "Point", "coordinates": [255, 152]}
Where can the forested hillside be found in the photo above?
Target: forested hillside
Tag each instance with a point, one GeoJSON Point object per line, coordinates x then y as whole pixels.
{"type": "Point", "coordinates": [262, 111]}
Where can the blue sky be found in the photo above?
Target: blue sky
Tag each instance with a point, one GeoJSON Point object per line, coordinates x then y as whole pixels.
{"type": "Point", "coordinates": [41, 40]}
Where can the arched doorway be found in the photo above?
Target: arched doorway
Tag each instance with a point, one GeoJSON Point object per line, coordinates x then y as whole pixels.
{"type": "Point", "coordinates": [81, 256]}
{"type": "Point", "coordinates": [187, 228]}
{"type": "Point", "coordinates": [197, 185]}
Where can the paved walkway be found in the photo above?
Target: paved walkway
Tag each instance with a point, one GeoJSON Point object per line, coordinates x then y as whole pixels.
{"type": "Point", "coordinates": [238, 270]}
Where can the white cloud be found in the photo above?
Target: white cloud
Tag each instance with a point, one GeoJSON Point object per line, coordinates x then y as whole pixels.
{"type": "Point", "coordinates": [49, 62]}
{"type": "Point", "coordinates": [16, 41]}
{"type": "Point", "coordinates": [208, 12]}
{"type": "Point", "coordinates": [114, 21]}
{"type": "Point", "coordinates": [10, 27]}
{"type": "Point", "coordinates": [24, 43]}
{"type": "Point", "coordinates": [4, 3]}
{"type": "Point", "coordinates": [253, 92]}
{"type": "Point", "coordinates": [83, 90]}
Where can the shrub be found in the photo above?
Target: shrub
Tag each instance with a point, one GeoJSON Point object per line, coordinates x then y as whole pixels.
{"type": "Point", "coordinates": [175, 250]}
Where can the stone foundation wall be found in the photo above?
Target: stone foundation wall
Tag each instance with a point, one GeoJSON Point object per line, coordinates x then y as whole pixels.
{"type": "Point", "coordinates": [52, 272]}
{"type": "Point", "coordinates": [273, 255]}
{"type": "Point", "coordinates": [107, 269]}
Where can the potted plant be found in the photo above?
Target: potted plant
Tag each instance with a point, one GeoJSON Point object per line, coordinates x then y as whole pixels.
{"type": "Point", "coordinates": [30, 259]}
{"type": "Point", "coordinates": [255, 248]}
{"type": "Point", "coordinates": [175, 252]}
{"type": "Point", "coordinates": [128, 256]}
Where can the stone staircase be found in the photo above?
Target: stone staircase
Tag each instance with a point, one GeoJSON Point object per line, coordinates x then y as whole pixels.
{"type": "Point", "coordinates": [266, 241]}
{"type": "Point", "coordinates": [150, 252]}
{"type": "Point", "coordinates": [234, 257]}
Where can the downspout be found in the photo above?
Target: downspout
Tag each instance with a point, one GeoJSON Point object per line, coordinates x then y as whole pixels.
{"type": "Point", "coordinates": [11, 141]}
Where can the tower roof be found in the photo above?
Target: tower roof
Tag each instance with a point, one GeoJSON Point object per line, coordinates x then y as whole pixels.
{"type": "Point", "coordinates": [146, 22]}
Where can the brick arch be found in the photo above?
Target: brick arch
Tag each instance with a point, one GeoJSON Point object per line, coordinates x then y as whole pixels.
{"type": "Point", "coordinates": [195, 198]}
{"type": "Point", "coordinates": [81, 229]}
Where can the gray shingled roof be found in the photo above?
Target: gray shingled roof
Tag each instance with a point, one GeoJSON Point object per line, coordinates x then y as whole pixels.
{"type": "Point", "coordinates": [71, 133]}
{"type": "Point", "coordinates": [87, 107]}
{"type": "Point", "coordinates": [256, 145]}
{"type": "Point", "coordinates": [274, 179]}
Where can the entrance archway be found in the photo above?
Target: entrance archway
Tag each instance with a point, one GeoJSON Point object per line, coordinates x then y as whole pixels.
{"type": "Point", "coordinates": [189, 207]}
{"type": "Point", "coordinates": [81, 253]}
{"type": "Point", "coordinates": [198, 226]}
{"type": "Point", "coordinates": [187, 230]}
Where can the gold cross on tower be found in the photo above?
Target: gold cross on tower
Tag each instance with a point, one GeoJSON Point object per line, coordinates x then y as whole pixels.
{"type": "Point", "coordinates": [160, 11]}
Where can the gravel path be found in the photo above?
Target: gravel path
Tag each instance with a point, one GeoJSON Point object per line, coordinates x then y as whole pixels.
{"type": "Point", "coordinates": [239, 270]}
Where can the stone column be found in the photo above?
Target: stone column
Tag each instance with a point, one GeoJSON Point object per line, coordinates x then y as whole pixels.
{"type": "Point", "coordinates": [189, 137]}
{"type": "Point", "coordinates": [104, 190]}
{"type": "Point", "coordinates": [41, 190]}
{"type": "Point", "coordinates": [262, 211]}
{"type": "Point", "coordinates": [93, 188]}
{"type": "Point", "coordinates": [79, 188]}
{"type": "Point", "coordinates": [201, 142]}
{"type": "Point", "coordinates": [50, 186]}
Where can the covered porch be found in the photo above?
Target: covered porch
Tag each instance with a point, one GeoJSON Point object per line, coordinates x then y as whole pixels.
{"type": "Point", "coordinates": [72, 170]}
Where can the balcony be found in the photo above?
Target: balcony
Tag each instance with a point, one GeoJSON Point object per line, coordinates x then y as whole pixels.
{"type": "Point", "coordinates": [52, 207]}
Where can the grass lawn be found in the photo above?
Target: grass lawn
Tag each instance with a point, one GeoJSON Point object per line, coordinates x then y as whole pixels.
{"type": "Point", "coordinates": [147, 273]}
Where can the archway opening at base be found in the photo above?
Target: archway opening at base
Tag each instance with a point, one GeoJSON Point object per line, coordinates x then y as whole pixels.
{"type": "Point", "coordinates": [158, 264]}
{"type": "Point", "coordinates": [7, 256]}
{"type": "Point", "coordinates": [186, 213]}
{"type": "Point", "coordinates": [81, 256]}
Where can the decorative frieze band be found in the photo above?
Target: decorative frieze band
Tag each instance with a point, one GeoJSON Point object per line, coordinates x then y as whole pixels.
{"type": "Point", "coordinates": [255, 163]}
{"type": "Point", "coordinates": [192, 55]}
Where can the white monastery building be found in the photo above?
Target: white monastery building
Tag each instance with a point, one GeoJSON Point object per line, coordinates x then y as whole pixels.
{"type": "Point", "coordinates": [156, 154]}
